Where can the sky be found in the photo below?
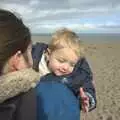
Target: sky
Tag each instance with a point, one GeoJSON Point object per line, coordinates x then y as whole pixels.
{"type": "Point", "coordinates": [82, 16]}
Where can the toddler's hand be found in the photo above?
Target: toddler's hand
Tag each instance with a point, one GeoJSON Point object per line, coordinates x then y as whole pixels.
{"type": "Point", "coordinates": [85, 100]}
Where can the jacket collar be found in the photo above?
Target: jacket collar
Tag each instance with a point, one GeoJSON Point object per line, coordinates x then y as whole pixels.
{"type": "Point", "coordinates": [16, 82]}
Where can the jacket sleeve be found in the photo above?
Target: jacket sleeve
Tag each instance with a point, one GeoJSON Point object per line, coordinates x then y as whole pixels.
{"type": "Point", "coordinates": [83, 77]}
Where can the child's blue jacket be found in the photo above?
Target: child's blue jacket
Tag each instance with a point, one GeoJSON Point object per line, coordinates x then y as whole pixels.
{"type": "Point", "coordinates": [81, 76]}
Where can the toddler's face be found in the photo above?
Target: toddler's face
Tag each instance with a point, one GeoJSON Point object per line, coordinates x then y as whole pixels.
{"type": "Point", "coordinates": [62, 61]}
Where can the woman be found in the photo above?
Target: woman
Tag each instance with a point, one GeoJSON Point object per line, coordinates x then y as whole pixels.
{"type": "Point", "coordinates": [16, 74]}
{"type": "Point", "coordinates": [17, 99]}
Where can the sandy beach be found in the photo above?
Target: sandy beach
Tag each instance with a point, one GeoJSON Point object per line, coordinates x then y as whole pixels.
{"type": "Point", "coordinates": [104, 59]}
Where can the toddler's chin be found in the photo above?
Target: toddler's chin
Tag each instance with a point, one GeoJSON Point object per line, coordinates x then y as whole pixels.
{"type": "Point", "coordinates": [60, 74]}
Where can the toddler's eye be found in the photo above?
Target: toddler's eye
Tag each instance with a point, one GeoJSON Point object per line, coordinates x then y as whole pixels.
{"type": "Point", "coordinates": [61, 60]}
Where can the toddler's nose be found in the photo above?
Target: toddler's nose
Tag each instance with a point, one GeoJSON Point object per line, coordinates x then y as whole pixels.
{"type": "Point", "coordinates": [65, 67]}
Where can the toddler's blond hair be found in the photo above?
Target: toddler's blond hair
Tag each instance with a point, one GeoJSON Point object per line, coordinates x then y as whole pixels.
{"type": "Point", "coordinates": [65, 38]}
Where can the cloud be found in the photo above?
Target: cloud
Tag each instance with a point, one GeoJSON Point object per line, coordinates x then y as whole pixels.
{"type": "Point", "coordinates": [86, 27]}
{"type": "Point", "coordinates": [48, 15]}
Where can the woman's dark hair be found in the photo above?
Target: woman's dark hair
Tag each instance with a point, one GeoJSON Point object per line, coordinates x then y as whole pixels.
{"type": "Point", "coordinates": [14, 36]}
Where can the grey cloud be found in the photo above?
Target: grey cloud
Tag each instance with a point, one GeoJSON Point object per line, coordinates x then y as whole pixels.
{"type": "Point", "coordinates": [66, 4]}
{"type": "Point", "coordinates": [93, 3]}
{"type": "Point", "coordinates": [14, 1]}
{"type": "Point", "coordinates": [69, 14]}
{"type": "Point", "coordinates": [110, 26]}
{"type": "Point", "coordinates": [87, 6]}
{"type": "Point", "coordinates": [38, 12]}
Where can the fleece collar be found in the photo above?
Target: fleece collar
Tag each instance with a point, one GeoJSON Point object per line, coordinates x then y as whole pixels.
{"type": "Point", "coordinates": [13, 83]}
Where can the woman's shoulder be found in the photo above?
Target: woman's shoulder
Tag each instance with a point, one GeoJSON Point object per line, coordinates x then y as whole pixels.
{"type": "Point", "coordinates": [57, 101]}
